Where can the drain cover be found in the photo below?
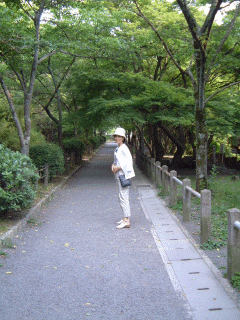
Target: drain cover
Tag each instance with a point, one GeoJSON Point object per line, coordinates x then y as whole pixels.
{"type": "Point", "coordinates": [143, 186]}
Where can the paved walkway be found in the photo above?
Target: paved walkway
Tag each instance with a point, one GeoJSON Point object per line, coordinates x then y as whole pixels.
{"type": "Point", "coordinates": [76, 265]}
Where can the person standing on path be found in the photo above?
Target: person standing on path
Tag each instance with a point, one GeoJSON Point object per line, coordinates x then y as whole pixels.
{"type": "Point", "coordinates": [123, 165]}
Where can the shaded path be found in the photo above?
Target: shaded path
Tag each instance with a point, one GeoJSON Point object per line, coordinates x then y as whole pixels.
{"type": "Point", "coordinates": [76, 265]}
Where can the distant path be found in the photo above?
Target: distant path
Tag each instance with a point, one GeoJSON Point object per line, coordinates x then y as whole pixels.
{"type": "Point", "coordinates": [76, 265]}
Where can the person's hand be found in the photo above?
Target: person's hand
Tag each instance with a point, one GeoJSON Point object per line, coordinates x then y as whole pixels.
{"type": "Point", "coordinates": [115, 168]}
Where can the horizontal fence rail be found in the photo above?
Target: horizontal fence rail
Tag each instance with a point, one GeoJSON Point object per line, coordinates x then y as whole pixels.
{"type": "Point", "coordinates": [194, 192]}
{"type": "Point", "coordinates": [178, 181]}
{"type": "Point", "coordinates": [237, 224]}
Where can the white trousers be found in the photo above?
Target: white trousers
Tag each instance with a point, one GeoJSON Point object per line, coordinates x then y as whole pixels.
{"type": "Point", "coordinates": [124, 199]}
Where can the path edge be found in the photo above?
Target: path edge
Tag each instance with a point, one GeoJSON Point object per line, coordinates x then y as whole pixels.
{"type": "Point", "coordinates": [16, 228]}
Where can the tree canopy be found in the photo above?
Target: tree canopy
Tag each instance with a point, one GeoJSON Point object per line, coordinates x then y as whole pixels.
{"type": "Point", "coordinates": [166, 71]}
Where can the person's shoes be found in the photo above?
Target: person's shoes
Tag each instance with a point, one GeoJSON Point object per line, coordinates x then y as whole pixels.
{"type": "Point", "coordinates": [119, 222]}
{"type": "Point", "coordinates": [124, 224]}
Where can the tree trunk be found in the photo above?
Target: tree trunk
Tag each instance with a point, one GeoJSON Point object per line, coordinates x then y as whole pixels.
{"type": "Point", "coordinates": [181, 146]}
{"type": "Point", "coordinates": [192, 142]}
{"type": "Point", "coordinates": [15, 116]}
{"type": "Point", "coordinates": [28, 96]}
{"type": "Point", "coordinates": [201, 125]}
{"type": "Point", "coordinates": [158, 147]}
{"type": "Point", "coordinates": [59, 121]}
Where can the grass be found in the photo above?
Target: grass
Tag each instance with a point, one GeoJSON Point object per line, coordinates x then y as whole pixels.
{"type": "Point", "coordinates": [8, 243]}
{"type": "Point", "coordinates": [3, 226]}
{"type": "Point", "coordinates": [236, 281]}
{"type": "Point", "coordinates": [8, 221]}
{"type": "Point", "coordinates": [225, 195]}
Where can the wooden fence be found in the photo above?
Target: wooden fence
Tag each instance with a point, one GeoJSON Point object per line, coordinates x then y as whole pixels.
{"type": "Point", "coordinates": [169, 181]}
{"type": "Point", "coordinates": [44, 174]}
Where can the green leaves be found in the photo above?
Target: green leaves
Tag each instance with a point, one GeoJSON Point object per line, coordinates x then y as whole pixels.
{"type": "Point", "coordinates": [17, 177]}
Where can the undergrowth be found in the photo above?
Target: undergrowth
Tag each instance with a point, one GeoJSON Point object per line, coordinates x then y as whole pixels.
{"type": "Point", "coordinates": [236, 281]}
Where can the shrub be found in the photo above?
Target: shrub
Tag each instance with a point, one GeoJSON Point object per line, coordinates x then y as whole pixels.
{"type": "Point", "coordinates": [49, 153]}
{"type": "Point", "coordinates": [73, 145]}
{"type": "Point", "coordinates": [18, 177]}
{"type": "Point", "coordinates": [97, 141]}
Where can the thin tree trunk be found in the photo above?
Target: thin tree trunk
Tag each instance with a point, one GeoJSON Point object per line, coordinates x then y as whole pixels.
{"type": "Point", "coordinates": [59, 122]}
{"type": "Point", "coordinates": [192, 142]}
{"type": "Point", "coordinates": [15, 116]}
{"type": "Point", "coordinates": [200, 120]}
{"type": "Point", "coordinates": [159, 150]}
{"type": "Point", "coordinates": [28, 96]}
{"type": "Point", "coordinates": [181, 146]}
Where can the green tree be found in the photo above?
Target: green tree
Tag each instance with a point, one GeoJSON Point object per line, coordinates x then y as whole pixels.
{"type": "Point", "coordinates": [22, 50]}
{"type": "Point", "coordinates": [199, 68]}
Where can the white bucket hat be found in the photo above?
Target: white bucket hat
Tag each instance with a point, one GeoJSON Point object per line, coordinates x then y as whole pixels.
{"type": "Point", "coordinates": [120, 132]}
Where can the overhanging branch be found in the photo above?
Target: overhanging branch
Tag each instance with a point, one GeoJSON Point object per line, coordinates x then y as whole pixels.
{"type": "Point", "coordinates": [140, 13]}
{"type": "Point", "coordinates": [222, 89]}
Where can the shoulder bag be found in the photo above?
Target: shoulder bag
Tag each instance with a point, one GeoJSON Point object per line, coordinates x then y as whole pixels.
{"type": "Point", "coordinates": [124, 182]}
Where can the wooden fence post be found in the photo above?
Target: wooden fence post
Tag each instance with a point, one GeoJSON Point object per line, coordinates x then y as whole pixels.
{"type": "Point", "coordinates": [72, 161]}
{"type": "Point", "coordinates": [46, 175]}
{"type": "Point", "coordinates": [173, 188]}
{"type": "Point", "coordinates": [146, 164]}
{"type": "Point", "coordinates": [164, 179]}
{"type": "Point", "coordinates": [214, 154]}
{"type": "Point", "coordinates": [233, 243]}
{"type": "Point", "coordinates": [186, 200]}
{"type": "Point", "coordinates": [222, 153]}
{"type": "Point", "coordinates": [149, 168]}
{"type": "Point", "coordinates": [205, 215]}
{"type": "Point", "coordinates": [158, 174]}
{"type": "Point", "coordinates": [37, 172]}
{"type": "Point", "coordinates": [153, 170]}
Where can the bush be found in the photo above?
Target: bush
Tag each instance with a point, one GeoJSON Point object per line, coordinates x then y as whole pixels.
{"type": "Point", "coordinates": [97, 141]}
{"type": "Point", "coordinates": [49, 153]}
{"type": "Point", "coordinates": [18, 177]}
{"type": "Point", "coordinates": [74, 145]}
